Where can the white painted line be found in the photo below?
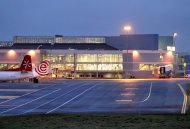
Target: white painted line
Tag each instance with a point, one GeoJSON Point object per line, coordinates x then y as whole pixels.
{"type": "Point", "coordinates": [131, 102]}
{"type": "Point", "coordinates": [149, 94]}
{"type": "Point", "coordinates": [56, 98]}
{"type": "Point", "coordinates": [29, 101]}
{"type": "Point", "coordinates": [124, 100]}
{"type": "Point", "coordinates": [26, 94]}
{"type": "Point", "coordinates": [18, 90]}
{"type": "Point", "coordinates": [8, 97]}
{"type": "Point", "coordinates": [131, 88]}
{"type": "Point", "coordinates": [183, 110]}
{"type": "Point", "coordinates": [128, 94]}
{"type": "Point", "coordinates": [71, 99]}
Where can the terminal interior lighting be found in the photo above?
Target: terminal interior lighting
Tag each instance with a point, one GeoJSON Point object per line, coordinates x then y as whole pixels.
{"type": "Point", "coordinates": [169, 53]}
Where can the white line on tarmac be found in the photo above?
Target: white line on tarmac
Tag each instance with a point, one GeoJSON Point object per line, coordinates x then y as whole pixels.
{"type": "Point", "coordinates": [71, 99]}
{"type": "Point", "coordinates": [183, 110]}
{"type": "Point", "coordinates": [26, 94]}
{"type": "Point", "coordinates": [29, 101]}
{"type": "Point", "coordinates": [18, 90]}
{"type": "Point", "coordinates": [131, 102]}
{"type": "Point", "coordinates": [55, 98]}
{"type": "Point", "coordinates": [8, 97]}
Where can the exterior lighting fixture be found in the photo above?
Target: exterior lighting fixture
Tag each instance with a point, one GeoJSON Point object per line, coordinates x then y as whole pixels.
{"type": "Point", "coordinates": [174, 34]}
{"type": "Point", "coordinates": [32, 52]}
{"type": "Point", "coordinates": [135, 53]}
{"type": "Point", "coordinates": [171, 48]}
{"type": "Point", "coordinates": [169, 53]}
{"type": "Point", "coordinates": [11, 52]}
{"type": "Point", "coordinates": [127, 28]}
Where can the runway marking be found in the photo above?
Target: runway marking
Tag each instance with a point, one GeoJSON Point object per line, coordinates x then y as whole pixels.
{"type": "Point", "coordinates": [128, 94]}
{"type": "Point", "coordinates": [71, 99]}
{"type": "Point", "coordinates": [183, 110]}
{"type": "Point", "coordinates": [124, 100]}
{"type": "Point", "coordinates": [131, 102]}
{"type": "Point", "coordinates": [6, 106]}
{"type": "Point", "coordinates": [29, 101]}
{"type": "Point", "coordinates": [18, 90]}
{"type": "Point", "coordinates": [56, 98]}
{"type": "Point", "coordinates": [8, 97]}
{"type": "Point", "coordinates": [149, 94]}
{"type": "Point", "coordinates": [26, 94]}
{"type": "Point", "coordinates": [131, 88]}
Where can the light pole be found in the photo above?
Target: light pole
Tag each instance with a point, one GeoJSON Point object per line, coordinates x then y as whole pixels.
{"type": "Point", "coordinates": [174, 36]}
{"type": "Point", "coordinates": [184, 69]}
{"type": "Point", "coordinates": [127, 29]}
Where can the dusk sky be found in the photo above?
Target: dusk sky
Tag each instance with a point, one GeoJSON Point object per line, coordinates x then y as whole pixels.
{"type": "Point", "coordinates": [95, 18]}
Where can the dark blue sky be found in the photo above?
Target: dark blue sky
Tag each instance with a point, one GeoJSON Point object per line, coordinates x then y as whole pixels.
{"type": "Point", "coordinates": [95, 18]}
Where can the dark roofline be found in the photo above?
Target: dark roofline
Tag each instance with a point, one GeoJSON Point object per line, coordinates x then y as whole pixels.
{"type": "Point", "coordinates": [61, 46]}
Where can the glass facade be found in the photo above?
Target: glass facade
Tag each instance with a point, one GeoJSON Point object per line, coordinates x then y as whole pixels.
{"type": "Point", "coordinates": [8, 66]}
{"type": "Point", "coordinates": [68, 64]}
{"type": "Point", "coordinates": [147, 67]}
{"type": "Point", "coordinates": [67, 39]}
{"type": "Point", "coordinates": [33, 39]}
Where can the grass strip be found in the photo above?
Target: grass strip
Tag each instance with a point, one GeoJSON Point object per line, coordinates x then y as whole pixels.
{"type": "Point", "coordinates": [95, 121]}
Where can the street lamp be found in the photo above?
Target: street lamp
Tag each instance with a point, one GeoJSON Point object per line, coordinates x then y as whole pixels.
{"type": "Point", "coordinates": [127, 29]}
{"type": "Point", "coordinates": [184, 69]}
{"type": "Point", "coordinates": [174, 36]}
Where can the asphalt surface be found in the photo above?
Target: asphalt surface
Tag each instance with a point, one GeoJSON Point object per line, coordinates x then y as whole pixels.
{"type": "Point", "coordinates": [92, 96]}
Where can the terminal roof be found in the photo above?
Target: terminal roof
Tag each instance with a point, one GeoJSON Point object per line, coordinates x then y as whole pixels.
{"type": "Point", "coordinates": [63, 46]}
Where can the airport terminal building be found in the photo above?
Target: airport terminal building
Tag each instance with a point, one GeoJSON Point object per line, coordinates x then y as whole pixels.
{"type": "Point", "coordinates": [92, 56]}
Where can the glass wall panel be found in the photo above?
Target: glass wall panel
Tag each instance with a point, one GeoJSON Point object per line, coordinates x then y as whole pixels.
{"type": "Point", "coordinates": [87, 58]}
{"type": "Point", "coordinates": [110, 58]}
{"type": "Point", "coordinates": [145, 67]}
{"type": "Point", "coordinates": [86, 67]}
{"type": "Point", "coordinates": [69, 58]}
{"type": "Point", "coordinates": [110, 67]}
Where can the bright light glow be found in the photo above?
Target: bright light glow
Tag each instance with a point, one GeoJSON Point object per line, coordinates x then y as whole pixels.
{"type": "Point", "coordinates": [11, 52]}
{"type": "Point", "coordinates": [135, 53]}
{"type": "Point", "coordinates": [169, 53]}
{"type": "Point", "coordinates": [32, 52]}
{"type": "Point", "coordinates": [127, 28]}
{"type": "Point", "coordinates": [174, 34]}
{"type": "Point", "coordinates": [170, 48]}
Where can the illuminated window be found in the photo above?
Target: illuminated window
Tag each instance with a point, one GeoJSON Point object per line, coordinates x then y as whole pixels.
{"type": "Point", "coordinates": [161, 57]}
{"type": "Point", "coordinates": [110, 58]}
{"type": "Point", "coordinates": [84, 67]}
{"type": "Point", "coordinates": [110, 67]}
{"type": "Point", "coordinates": [147, 67]}
{"type": "Point", "coordinates": [87, 58]}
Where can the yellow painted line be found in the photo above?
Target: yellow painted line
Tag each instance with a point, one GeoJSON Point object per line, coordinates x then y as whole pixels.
{"type": "Point", "coordinates": [183, 110]}
{"type": "Point", "coordinates": [8, 97]}
{"type": "Point", "coordinates": [124, 100]}
{"type": "Point", "coordinates": [18, 90]}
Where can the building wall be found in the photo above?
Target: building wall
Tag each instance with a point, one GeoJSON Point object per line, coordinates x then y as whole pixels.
{"type": "Point", "coordinates": [142, 64]}
{"type": "Point", "coordinates": [134, 42]}
{"type": "Point", "coordinates": [165, 41]}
